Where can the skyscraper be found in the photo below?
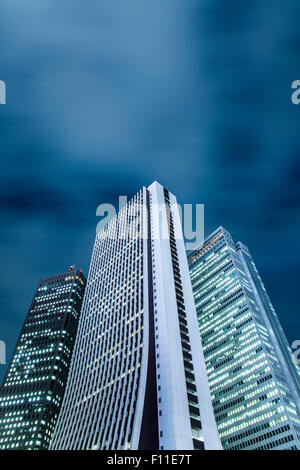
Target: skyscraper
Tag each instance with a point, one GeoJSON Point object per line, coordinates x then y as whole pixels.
{"type": "Point", "coordinates": [138, 378]}
{"type": "Point", "coordinates": [253, 381]}
{"type": "Point", "coordinates": [34, 384]}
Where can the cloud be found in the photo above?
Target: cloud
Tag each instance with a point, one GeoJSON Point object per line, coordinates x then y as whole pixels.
{"type": "Point", "coordinates": [107, 96]}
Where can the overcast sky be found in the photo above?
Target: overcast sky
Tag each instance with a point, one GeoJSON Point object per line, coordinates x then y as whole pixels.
{"type": "Point", "coordinates": [106, 96]}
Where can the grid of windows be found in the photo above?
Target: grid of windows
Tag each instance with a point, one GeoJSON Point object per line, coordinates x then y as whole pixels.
{"type": "Point", "coordinates": [100, 408]}
{"type": "Point", "coordinates": [33, 388]}
{"type": "Point", "coordinates": [255, 395]}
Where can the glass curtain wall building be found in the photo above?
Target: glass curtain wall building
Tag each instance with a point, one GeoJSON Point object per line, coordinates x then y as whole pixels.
{"type": "Point", "coordinates": [253, 381]}
{"type": "Point", "coordinates": [138, 378]}
{"type": "Point", "coordinates": [33, 387]}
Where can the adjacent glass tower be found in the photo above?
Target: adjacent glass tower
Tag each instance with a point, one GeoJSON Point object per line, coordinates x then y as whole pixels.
{"type": "Point", "coordinates": [33, 387]}
{"type": "Point", "coordinates": [138, 378]}
{"type": "Point", "coordinates": [254, 383]}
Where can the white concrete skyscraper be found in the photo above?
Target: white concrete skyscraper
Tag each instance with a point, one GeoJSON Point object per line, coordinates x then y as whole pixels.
{"type": "Point", "coordinates": [138, 377]}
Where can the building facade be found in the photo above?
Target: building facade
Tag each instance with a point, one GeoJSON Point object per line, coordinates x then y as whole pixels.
{"type": "Point", "coordinates": [254, 383]}
{"type": "Point", "coordinates": [33, 387]}
{"type": "Point", "coordinates": [138, 378]}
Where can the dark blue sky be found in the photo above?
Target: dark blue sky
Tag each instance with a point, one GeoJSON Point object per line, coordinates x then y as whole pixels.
{"type": "Point", "coordinates": [105, 96]}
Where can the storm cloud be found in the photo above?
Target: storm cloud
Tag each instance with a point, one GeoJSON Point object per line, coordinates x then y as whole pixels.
{"type": "Point", "coordinates": [106, 96]}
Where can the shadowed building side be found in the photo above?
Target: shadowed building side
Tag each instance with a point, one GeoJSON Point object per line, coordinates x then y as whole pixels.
{"type": "Point", "coordinates": [33, 387]}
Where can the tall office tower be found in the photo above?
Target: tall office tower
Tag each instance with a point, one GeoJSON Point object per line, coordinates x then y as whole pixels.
{"type": "Point", "coordinates": [253, 382]}
{"type": "Point", "coordinates": [138, 378]}
{"type": "Point", "coordinates": [34, 384]}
